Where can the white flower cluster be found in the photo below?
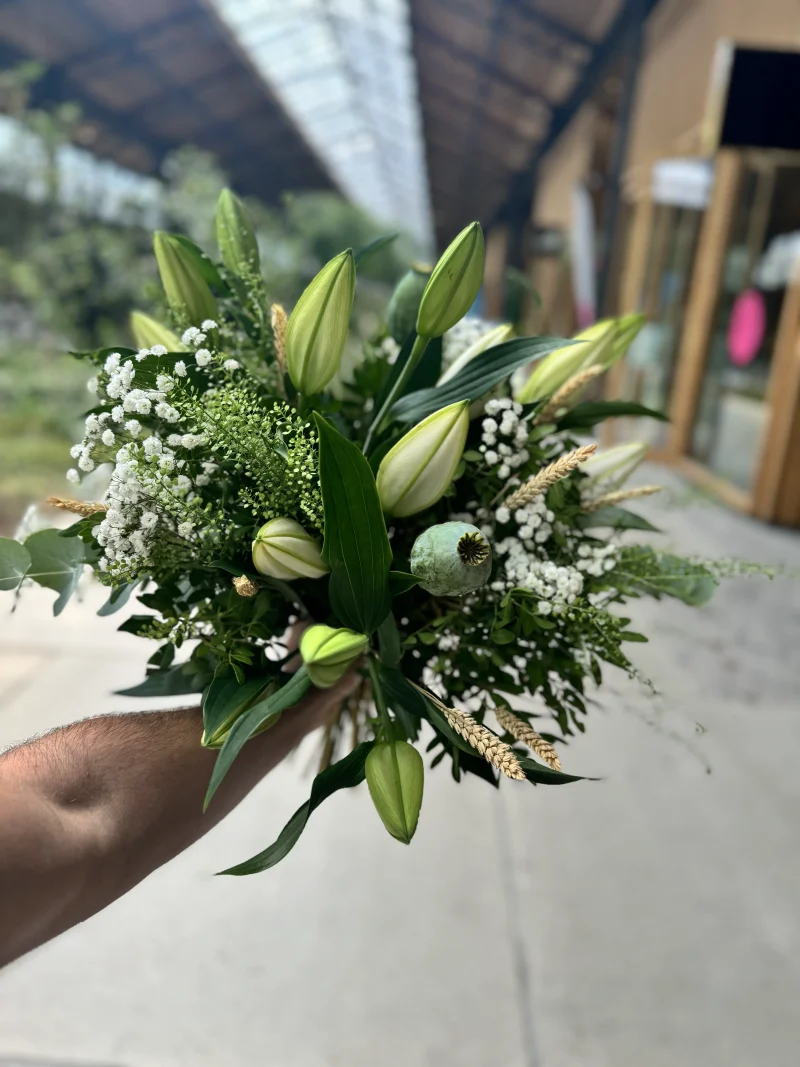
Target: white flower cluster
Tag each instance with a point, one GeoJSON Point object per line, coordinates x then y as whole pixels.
{"type": "Point", "coordinates": [595, 560]}
{"type": "Point", "coordinates": [534, 521]}
{"type": "Point", "coordinates": [556, 586]}
{"type": "Point", "coordinates": [510, 453]}
{"type": "Point", "coordinates": [389, 349]}
{"type": "Point", "coordinates": [461, 337]}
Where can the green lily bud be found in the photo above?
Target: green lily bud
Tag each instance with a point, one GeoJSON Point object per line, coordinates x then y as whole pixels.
{"type": "Point", "coordinates": [395, 777]}
{"type": "Point", "coordinates": [401, 313]}
{"type": "Point", "coordinates": [493, 337]}
{"type": "Point", "coordinates": [614, 466]}
{"type": "Point", "coordinates": [414, 474]}
{"type": "Point", "coordinates": [454, 284]}
{"type": "Point", "coordinates": [317, 329]}
{"type": "Point", "coordinates": [556, 368]}
{"type": "Point", "coordinates": [627, 329]}
{"type": "Point", "coordinates": [236, 237]}
{"type": "Point", "coordinates": [283, 549]}
{"type": "Point", "coordinates": [187, 291]}
{"type": "Point", "coordinates": [451, 559]}
{"type": "Point", "coordinates": [148, 331]}
{"type": "Point", "coordinates": [328, 654]}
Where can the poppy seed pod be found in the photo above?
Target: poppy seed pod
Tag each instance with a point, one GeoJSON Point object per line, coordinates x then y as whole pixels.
{"type": "Point", "coordinates": [236, 237]}
{"type": "Point", "coordinates": [451, 559]}
{"type": "Point", "coordinates": [283, 549]}
{"type": "Point", "coordinates": [317, 328]}
{"type": "Point", "coordinates": [187, 291]}
{"type": "Point", "coordinates": [414, 474]}
{"type": "Point", "coordinates": [454, 283]}
{"type": "Point", "coordinates": [147, 332]}
{"type": "Point", "coordinates": [395, 778]}
{"type": "Point", "coordinates": [328, 653]}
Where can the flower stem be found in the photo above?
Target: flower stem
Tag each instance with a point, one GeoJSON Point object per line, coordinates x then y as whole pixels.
{"type": "Point", "coordinates": [379, 697]}
{"type": "Point", "coordinates": [420, 344]}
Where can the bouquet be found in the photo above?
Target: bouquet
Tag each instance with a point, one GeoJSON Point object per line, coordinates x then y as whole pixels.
{"type": "Point", "coordinates": [431, 518]}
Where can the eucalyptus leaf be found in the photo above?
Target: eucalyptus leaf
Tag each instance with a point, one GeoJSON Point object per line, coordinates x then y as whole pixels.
{"type": "Point", "coordinates": [56, 563]}
{"type": "Point", "coordinates": [15, 562]}
{"type": "Point", "coordinates": [585, 416]}
{"type": "Point", "coordinates": [356, 545]}
{"type": "Point", "coordinates": [346, 774]}
{"type": "Point", "coordinates": [251, 722]}
{"type": "Point", "coordinates": [476, 378]}
{"type": "Point", "coordinates": [118, 599]}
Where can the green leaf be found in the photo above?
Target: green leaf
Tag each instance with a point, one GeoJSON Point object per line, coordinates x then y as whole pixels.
{"type": "Point", "coordinates": [585, 416]}
{"type": "Point", "coordinates": [389, 638]}
{"type": "Point", "coordinates": [173, 682]}
{"type": "Point", "coordinates": [615, 518]}
{"type": "Point", "coordinates": [252, 721]}
{"type": "Point", "coordinates": [205, 266]}
{"type": "Point", "coordinates": [476, 378]}
{"type": "Point", "coordinates": [661, 574]}
{"type": "Point", "coordinates": [375, 246]}
{"type": "Point", "coordinates": [118, 599]}
{"type": "Point", "coordinates": [346, 774]}
{"type": "Point", "coordinates": [356, 546]}
{"type": "Point", "coordinates": [401, 581]}
{"type": "Point", "coordinates": [15, 561]}
{"type": "Point", "coordinates": [541, 774]}
{"type": "Point", "coordinates": [223, 702]}
{"type": "Point", "coordinates": [503, 637]}
{"type": "Point", "coordinates": [631, 635]}
{"type": "Point", "coordinates": [56, 563]}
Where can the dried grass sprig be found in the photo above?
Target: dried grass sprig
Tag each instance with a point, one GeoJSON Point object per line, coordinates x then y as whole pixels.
{"type": "Point", "coordinates": [480, 737]}
{"type": "Point", "coordinates": [548, 476]}
{"type": "Point", "coordinates": [608, 500]}
{"type": "Point", "coordinates": [525, 733]}
{"type": "Point", "coordinates": [565, 393]}
{"type": "Point", "coordinates": [278, 320]}
{"type": "Point", "coordinates": [77, 507]}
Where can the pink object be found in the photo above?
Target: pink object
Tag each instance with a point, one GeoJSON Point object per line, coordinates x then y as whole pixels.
{"type": "Point", "coordinates": [746, 328]}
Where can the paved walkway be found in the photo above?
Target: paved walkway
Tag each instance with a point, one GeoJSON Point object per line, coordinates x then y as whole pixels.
{"type": "Point", "coordinates": [648, 920]}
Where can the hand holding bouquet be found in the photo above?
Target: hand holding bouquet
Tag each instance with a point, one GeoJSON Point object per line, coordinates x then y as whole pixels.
{"type": "Point", "coordinates": [447, 537]}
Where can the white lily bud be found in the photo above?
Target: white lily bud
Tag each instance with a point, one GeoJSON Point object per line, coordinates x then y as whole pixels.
{"type": "Point", "coordinates": [317, 329]}
{"type": "Point", "coordinates": [414, 474]}
{"type": "Point", "coordinates": [615, 465]}
{"type": "Point", "coordinates": [556, 368]}
{"type": "Point", "coordinates": [454, 283]}
{"type": "Point", "coordinates": [283, 549]}
{"type": "Point", "coordinates": [494, 337]}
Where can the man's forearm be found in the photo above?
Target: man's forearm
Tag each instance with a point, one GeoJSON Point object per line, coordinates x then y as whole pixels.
{"type": "Point", "coordinates": [93, 808]}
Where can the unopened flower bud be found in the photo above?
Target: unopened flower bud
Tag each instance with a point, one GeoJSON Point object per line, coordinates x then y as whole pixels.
{"type": "Point", "coordinates": [628, 326]}
{"type": "Point", "coordinates": [454, 283]}
{"type": "Point", "coordinates": [451, 559]}
{"type": "Point", "coordinates": [401, 313]}
{"type": "Point", "coordinates": [414, 474]}
{"type": "Point", "coordinates": [493, 337]}
{"type": "Point", "coordinates": [283, 549]}
{"type": "Point", "coordinates": [556, 368]}
{"type": "Point", "coordinates": [317, 328]}
{"type": "Point", "coordinates": [187, 291]}
{"type": "Point", "coordinates": [236, 237]}
{"type": "Point", "coordinates": [395, 777]}
{"type": "Point", "coordinates": [147, 332]}
{"type": "Point", "coordinates": [613, 466]}
{"type": "Point", "coordinates": [328, 653]}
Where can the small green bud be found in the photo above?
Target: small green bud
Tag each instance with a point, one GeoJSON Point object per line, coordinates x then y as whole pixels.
{"type": "Point", "coordinates": [401, 313]}
{"type": "Point", "coordinates": [556, 368]}
{"type": "Point", "coordinates": [414, 474]}
{"type": "Point", "coordinates": [493, 337]}
{"type": "Point", "coordinates": [627, 329]}
{"type": "Point", "coordinates": [187, 291]}
{"type": "Point", "coordinates": [614, 466]}
{"type": "Point", "coordinates": [283, 549]}
{"type": "Point", "coordinates": [236, 237]}
{"type": "Point", "coordinates": [147, 332]}
{"type": "Point", "coordinates": [451, 559]}
{"type": "Point", "coordinates": [395, 777]}
{"type": "Point", "coordinates": [328, 653]}
{"type": "Point", "coordinates": [317, 329]}
{"type": "Point", "coordinates": [454, 283]}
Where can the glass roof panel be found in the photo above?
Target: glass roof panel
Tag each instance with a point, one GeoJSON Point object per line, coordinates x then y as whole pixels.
{"type": "Point", "coordinates": [345, 73]}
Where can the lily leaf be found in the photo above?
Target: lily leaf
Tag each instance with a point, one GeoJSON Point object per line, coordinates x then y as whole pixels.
{"type": "Point", "coordinates": [541, 774]}
{"type": "Point", "coordinates": [585, 416]}
{"type": "Point", "coordinates": [375, 246]}
{"type": "Point", "coordinates": [15, 562]}
{"type": "Point", "coordinates": [175, 681]}
{"type": "Point", "coordinates": [345, 774]}
{"type": "Point", "coordinates": [56, 563]}
{"type": "Point", "coordinates": [614, 518]}
{"type": "Point", "coordinates": [356, 546]}
{"type": "Point", "coordinates": [223, 702]}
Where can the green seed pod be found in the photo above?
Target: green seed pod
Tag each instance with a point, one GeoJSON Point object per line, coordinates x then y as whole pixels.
{"type": "Point", "coordinates": [454, 283]}
{"type": "Point", "coordinates": [395, 777]}
{"type": "Point", "coordinates": [236, 237]}
{"type": "Point", "coordinates": [187, 291]}
{"type": "Point", "coordinates": [283, 549]}
{"type": "Point", "coordinates": [451, 559]}
{"type": "Point", "coordinates": [147, 332]}
{"type": "Point", "coordinates": [317, 329]}
{"type": "Point", "coordinates": [401, 314]}
{"type": "Point", "coordinates": [328, 653]}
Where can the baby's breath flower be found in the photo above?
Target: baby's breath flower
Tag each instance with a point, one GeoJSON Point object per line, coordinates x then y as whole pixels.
{"type": "Point", "coordinates": [72, 475]}
{"type": "Point", "coordinates": [230, 365]}
{"type": "Point", "coordinates": [180, 368]}
{"type": "Point", "coordinates": [108, 437]}
{"type": "Point", "coordinates": [202, 357]}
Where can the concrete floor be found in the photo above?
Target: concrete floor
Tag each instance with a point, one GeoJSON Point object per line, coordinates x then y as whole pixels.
{"type": "Point", "coordinates": [646, 920]}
